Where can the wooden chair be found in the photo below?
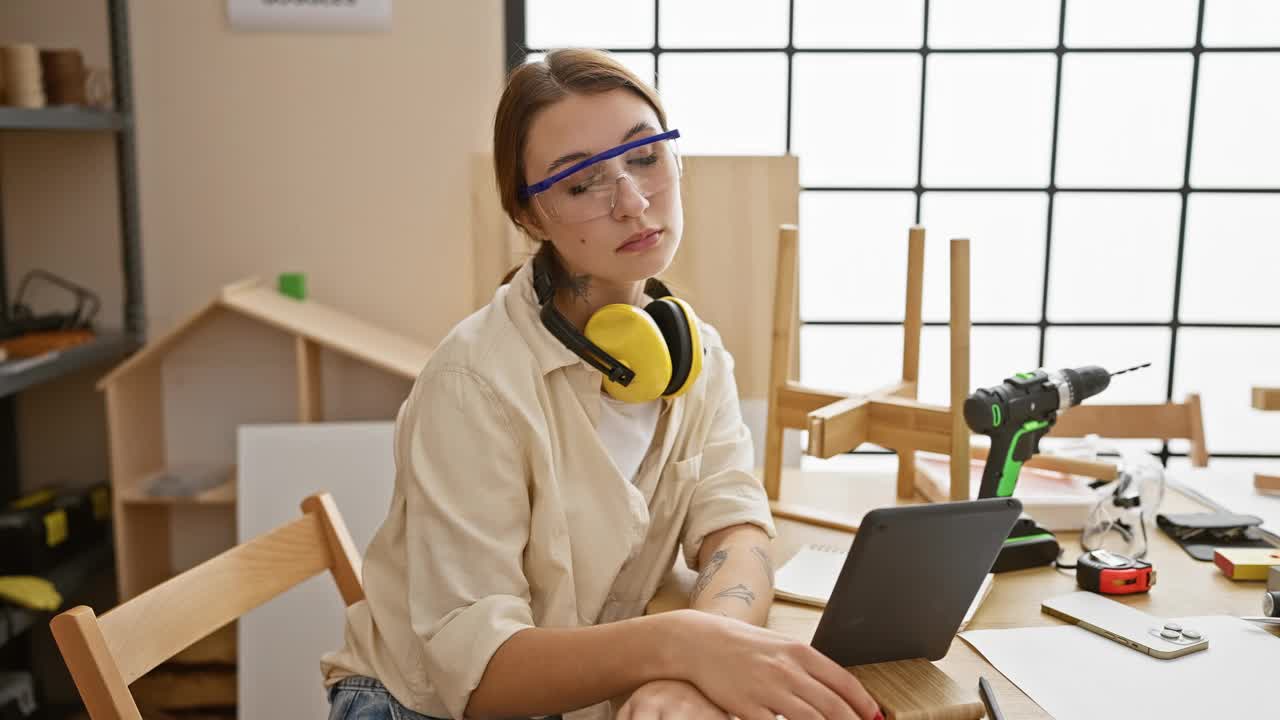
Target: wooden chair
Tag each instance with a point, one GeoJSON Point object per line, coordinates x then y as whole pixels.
{"type": "Point", "coordinates": [1165, 421]}
{"type": "Point", "coordinates": [105, 655]}
{"type": "Point", "coordinates": [890, 416]}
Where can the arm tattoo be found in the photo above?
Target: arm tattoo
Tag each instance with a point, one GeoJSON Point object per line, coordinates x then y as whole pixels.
{"type": "Point", "coordinates": [704, 578]}
{"type": "Point", "coordinates": [742, 592]}
{"type": "Point", "coordinates": [765, 562]}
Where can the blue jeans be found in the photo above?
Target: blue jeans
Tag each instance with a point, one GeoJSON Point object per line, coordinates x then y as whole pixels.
{"type": "Point", "coordinates": [362, 698]}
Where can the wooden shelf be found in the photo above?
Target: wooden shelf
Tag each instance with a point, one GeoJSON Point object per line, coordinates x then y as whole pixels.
{"type": "Point", "coordinates": [60, 118]}
{"type": "Point", "coordinates": [16, 375]}
{"type": "Point", "coordinates": [224, 494]}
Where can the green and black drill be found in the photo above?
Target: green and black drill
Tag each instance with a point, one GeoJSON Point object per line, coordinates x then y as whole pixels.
{"type": "Point", "coordinates": [1015, 414]}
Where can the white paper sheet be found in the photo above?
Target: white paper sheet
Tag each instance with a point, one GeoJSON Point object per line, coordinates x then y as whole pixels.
{"type": "Point", "coordinates": [1073, 673]}
{"type": "Point", "coordinates": [1230, 491]}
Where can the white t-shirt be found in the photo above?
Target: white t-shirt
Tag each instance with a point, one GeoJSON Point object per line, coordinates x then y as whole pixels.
{"type": "Point", "coordinates": [626, 430]}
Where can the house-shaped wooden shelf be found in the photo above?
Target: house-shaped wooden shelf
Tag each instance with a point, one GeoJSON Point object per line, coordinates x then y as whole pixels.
{"type": "Point", "coordinates": [252, 355]}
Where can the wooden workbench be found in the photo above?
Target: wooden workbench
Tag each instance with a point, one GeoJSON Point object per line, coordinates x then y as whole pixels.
{"type": "Point", "coordinates": [1184, 586]}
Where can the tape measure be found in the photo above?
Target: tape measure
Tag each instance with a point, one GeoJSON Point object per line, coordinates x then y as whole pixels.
{"type": "Point", "coordinates": [1109, 573]}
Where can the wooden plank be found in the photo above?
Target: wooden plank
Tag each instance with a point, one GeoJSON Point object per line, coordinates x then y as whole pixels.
{"type": "Point", "coordinates": [1164, 421]}
{"type": "Point", "coordinates": [917, 690]}
{"type": "Point", "coordinates": [330, 328]}
{"type": "Point", "coordinates": [913, 323]}
{"type": "Point", "coordinates": [497, 244]}
{"type": "Point", "coordinates": [310, 389]}
{"type": "Point", "coordinates": [1195, 426]}
{"type": "Point", "coordinates": [1071, 466]}
{"type": "Point", "coordinates": [733, 208]}
{"type": "Point", "coordinates": [796, 401]}
{"type": "Point", "coordinates": [839, 427]}
{"type": "Point", "coordinates": [780, 355]}
{"type": "Point", "coordinates": [959, 369]}
{"type": "Point", "coordinates": [911, 415]}
{"type": "Point", "coordinates": [908, 440]}
{"type": "Point", "coordinates": [1266, 398]}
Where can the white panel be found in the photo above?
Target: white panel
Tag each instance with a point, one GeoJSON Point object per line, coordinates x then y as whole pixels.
{"type": "Point", "coordinates": [723, 23]}
{"type": "Point", "coordinates": [1131, 23]}
{"type": "Point", "coordinates": [1114, 257]}
{"type": "Point", "coordinates": [853, 254]}
{"type": "Point", "coordinates": [1006, 233]}
{"type": "Point", "coordinates": [583, 23]}
{"type": "Point", "coordinates": [852, 359]}
{"type": "Point", "coordinates": [989, 120]}
{"type": "Point", "coordinates": [640, 63]}
{"type": "Point", "coordinates": [726, 103]}
{"type": "Point", "coordinates": [859, 23]}
{"type": "Point", "coordinates": [1223, 365]}
{"type": "Point", "coordinates": [1237, 113]}
{"type": "Point", "coordinates": [993, 23]}
{"type": "Point", "coordinates": [1124, 120]}
{"type": "Point", "coordinates": [995, 353]}
{"type": "Point", "coordinates": [1249, 23]}
{"type": "Point", "coordinates": [1230, 260]}
{"type": "Point", "coordinates": [1115, 349]}
{"type": "Point", "coordinates": [280, 643]}
{"type": "Point", "coordinates": [856, 118]}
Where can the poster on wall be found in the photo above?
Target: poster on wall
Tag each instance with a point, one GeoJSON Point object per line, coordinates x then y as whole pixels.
{"type": "Point", "coordinates": [317, 15]}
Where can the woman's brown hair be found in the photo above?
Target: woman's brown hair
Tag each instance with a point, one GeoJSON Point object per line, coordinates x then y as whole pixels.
{"type": "Point", "coordinates": [536, 85]}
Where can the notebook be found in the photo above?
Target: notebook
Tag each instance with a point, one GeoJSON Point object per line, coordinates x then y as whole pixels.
{"type": "Point", "coordinates": [810, 576]}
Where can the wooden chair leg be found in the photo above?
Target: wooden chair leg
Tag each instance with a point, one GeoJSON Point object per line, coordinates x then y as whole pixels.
{"type": "Point", "coordinates": [784, 311]}
{"type": "Point", "coordinates": [1199, 451]}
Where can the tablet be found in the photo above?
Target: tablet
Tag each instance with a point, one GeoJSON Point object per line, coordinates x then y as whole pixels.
{"type": "Point", "coordinates": [910, 576]}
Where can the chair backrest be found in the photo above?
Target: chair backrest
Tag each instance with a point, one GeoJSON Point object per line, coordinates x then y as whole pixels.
{"type": "Point", "coordinates": [1165, 421]}
{"type": "Point", "coordinates": [105, 655]}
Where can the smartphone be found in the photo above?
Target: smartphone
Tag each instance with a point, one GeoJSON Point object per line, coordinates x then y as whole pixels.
{"type": "Point", "coordinates": [1128, 626]}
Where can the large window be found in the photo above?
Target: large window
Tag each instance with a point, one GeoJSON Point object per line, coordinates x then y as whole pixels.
{"type": "Point", "coordinates": [1116, 164]}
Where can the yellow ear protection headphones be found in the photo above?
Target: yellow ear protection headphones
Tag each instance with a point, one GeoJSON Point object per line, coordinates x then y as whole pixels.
{"type": "Point", "coordinates": [644, 354]}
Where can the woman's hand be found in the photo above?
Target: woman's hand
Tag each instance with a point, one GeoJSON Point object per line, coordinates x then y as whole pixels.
{"type": "Point", "coordinates": [758, 674]}
{"type": "Point", "coordinates": [669, 700]}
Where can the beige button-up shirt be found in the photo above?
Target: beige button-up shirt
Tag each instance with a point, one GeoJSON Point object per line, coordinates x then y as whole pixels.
{"type": "Point", "coordinates": [508, 512]}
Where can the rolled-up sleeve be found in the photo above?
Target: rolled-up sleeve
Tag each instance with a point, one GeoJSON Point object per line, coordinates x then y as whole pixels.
{"type": "Point", "coordinates": [727, 492]}
{"type": "Point", "coordinates": [467, 500]}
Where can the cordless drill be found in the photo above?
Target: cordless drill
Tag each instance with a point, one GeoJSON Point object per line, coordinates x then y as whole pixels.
{"type": "Point", "coordinates": [1015, 414]}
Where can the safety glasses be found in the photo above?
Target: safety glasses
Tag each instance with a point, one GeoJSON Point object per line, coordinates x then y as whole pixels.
{"type": "Point", "coordinates": [589, 189]}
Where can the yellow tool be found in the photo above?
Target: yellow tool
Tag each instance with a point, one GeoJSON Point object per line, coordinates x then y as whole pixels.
{"type": "Point", "coordinates": [30, 592]}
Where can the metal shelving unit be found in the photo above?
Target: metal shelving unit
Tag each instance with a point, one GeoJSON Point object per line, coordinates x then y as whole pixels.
{"type": "Point", "coordinates": [59, 118]}
{"type": "Point", "coordinates": [108, 346]}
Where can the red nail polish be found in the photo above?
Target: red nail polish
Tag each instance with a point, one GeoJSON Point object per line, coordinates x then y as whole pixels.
{"type": "Point", "coordinates": [879, 716]}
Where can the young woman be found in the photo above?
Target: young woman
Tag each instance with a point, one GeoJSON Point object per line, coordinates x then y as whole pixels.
{"type": "Point", "coordinates": [543, 490]}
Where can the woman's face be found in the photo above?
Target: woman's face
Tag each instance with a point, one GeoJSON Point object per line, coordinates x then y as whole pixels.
{"type": "Point", "coordinates": [600, 247]}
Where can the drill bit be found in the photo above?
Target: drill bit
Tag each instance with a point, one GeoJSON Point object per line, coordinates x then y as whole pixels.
{"type": "Point", "coordinates": [1130, 369]}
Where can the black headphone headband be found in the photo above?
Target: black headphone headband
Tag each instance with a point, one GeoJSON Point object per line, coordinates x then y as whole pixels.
{"type": "Point", "coordinates": [566, 333]}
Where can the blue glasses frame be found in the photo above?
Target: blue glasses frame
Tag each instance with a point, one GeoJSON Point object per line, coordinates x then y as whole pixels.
{"type": "Point", "coordinates": [529, 191]}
